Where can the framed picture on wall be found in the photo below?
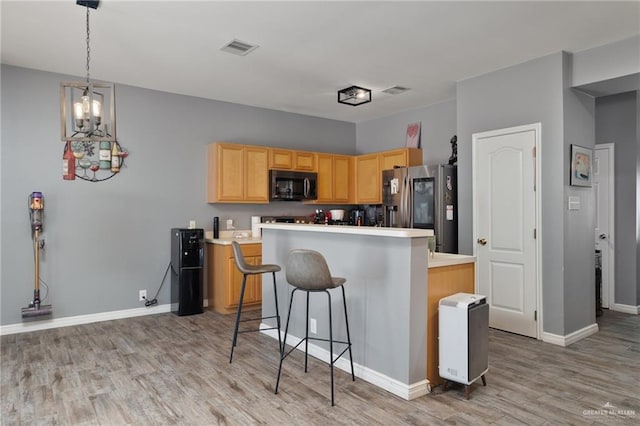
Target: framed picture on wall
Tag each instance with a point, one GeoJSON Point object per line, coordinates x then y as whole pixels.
{"type": "Point", "coordinates": [413, 135]}
{"type": "Point", "coordinates": [581, 165]}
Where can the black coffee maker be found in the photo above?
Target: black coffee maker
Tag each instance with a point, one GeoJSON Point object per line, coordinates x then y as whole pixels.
{"type": "Point", "coordinates": [357, 217]}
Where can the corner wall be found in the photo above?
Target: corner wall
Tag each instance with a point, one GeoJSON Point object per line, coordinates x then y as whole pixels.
{"type": "Point", "coordinates": [107, 240]}
{"type": "Point", "coordinates": [579, 245]}
{"type": "Point", "coordinates": [527, 93]}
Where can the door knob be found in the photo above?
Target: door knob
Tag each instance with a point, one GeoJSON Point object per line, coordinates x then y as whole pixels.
{"type": "Point", "coordinates": [603, 236]}
{"type": "Point", "coordinates": [482, 241]}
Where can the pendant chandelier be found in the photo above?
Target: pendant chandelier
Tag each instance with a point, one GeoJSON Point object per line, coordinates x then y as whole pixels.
{"type": "Point", "coordinates": [87, 109]}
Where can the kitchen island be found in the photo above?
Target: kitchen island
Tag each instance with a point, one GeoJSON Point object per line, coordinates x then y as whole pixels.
{"type": "Point", "coordinates": [386, 273]}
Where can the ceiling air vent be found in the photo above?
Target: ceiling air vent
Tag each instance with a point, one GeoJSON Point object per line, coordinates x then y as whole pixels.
{"type": "Point", "coordinates": [395, 90]}
{"type": "Point", "coordinates": [238, 47]}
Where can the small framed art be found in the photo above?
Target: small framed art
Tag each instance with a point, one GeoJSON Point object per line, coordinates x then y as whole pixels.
{"type": "Point", "coordinates": [413, 135]}
{"type": "Point", "coordinates": [581, 166]}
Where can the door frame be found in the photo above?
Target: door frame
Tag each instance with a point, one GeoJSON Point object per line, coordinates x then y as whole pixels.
{"type": "Point", "coordinates": [612, 211]}
{"type": "Point", "coordinates": [537, 129]}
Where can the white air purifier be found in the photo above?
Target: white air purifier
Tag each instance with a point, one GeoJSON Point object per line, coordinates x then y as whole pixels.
{"type": "Point", "coordinates": [463, 337]}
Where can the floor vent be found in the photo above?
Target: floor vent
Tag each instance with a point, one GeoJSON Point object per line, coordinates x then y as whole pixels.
{"type": "Point", "coordinates": [238, 47]}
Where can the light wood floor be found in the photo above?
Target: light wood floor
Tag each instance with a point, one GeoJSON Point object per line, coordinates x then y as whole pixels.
{"type": "Point", "coordinates": [164, 369]}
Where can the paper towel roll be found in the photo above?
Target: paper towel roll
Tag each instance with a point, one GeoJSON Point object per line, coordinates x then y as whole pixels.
{"type": "Point", "coordinates": [256, 230]}
{"type": "Point", "coordinates": [255, 219]}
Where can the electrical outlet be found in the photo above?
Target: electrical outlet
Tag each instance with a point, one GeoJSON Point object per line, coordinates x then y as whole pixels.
{"type": "Point", "coordinates": [313, 326]}
{"type": "Point", "coordinates": [192, 224]}
{"type": "Point", "coordinates": [142, 295]}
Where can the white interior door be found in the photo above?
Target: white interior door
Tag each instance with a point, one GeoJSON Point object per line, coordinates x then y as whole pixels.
{"type": "Point", "coordinates": [603, 185]}
{"type": "Point", "coordinates": [505, 226]}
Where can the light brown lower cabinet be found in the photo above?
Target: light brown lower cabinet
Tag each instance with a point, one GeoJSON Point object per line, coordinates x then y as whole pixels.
{"type": "Point", "coordinates": [443, 281]}
{"type": "Point", "coordinates": [225, 280]}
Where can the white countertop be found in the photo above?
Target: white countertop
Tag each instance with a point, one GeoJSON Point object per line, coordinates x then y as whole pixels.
{"type": "Point", "coordinates": [448, 259]}
{"type": "Point", "coordinates": [354, 230]}
{"type": "Point", "coordinates": [241, 236]}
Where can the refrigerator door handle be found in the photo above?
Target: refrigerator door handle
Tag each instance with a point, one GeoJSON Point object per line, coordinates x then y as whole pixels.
{"type": "Point", "coordinates": [409, 203]}
{"type": "Point", "coordinates": [404, 215]}
{"type": "Point", "coordinates": [400, 218]}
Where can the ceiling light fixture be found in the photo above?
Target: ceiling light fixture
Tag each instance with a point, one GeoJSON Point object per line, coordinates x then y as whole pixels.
{"type": "Point", "coordinates": [354, 96]}
{"type": "Point", "coordinates": [87, 110]}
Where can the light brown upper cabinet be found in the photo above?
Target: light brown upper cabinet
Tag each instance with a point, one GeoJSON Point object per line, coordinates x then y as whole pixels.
{"type": "Point", "coordinates": [369, 168]}
{"type": "Point", "coordinates": [237, 173]}
{"type": "Point", "coordinates": [368, 189]}
{"type": "Point", "coordinates": [403, 157]}
{"type": "Point", "coordinates": [335, 179]}
{"type": "Point", "coordinates": [240, 173]}
{"type": "Point", "coordinates": [287, 159]}
{"type": "Point", "coordinates": [304, 161]}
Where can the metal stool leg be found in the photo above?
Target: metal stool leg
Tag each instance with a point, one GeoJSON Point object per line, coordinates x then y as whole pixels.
{"type": "Point", "coordinates": [284, 343]}
{"type": "Point", "coordinates": [275, 295]}
{"type": "Point", "coordinates": [331, 360]}
{"type": "Point", "coordinates": [346, 320]}
{"type": "Point", "coordinates": [235, 331]}
{"type": "Point", "coordinates": [306, 336]}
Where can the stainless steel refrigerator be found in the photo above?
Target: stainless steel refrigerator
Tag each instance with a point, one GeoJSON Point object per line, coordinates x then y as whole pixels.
{"type": "Point", "coordinates": [423, 197]}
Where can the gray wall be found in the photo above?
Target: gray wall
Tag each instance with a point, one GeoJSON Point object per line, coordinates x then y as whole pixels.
{"type": "Point", "coordinates": [104, 241]}
{"type": "Point", "coordinates": [617, 122]}
{"type": "Point", "coordinates": [526, 93]}
{"type": "Point", "coordinates": [438, 126]}
{"type": "Point", "coordinates": [612, 60]}
{"type": "Point", "coordinates": [579, 262]}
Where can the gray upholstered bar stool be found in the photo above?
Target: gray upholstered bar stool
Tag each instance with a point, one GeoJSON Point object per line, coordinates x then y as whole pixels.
{"type": "Point", "coordinates": [246, 270]}
{"type": "Point", "coordinates": [307, 271]}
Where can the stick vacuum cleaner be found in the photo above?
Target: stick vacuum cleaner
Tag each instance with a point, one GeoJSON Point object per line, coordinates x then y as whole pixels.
{"type": "Point", "coordinates": [36, 213]}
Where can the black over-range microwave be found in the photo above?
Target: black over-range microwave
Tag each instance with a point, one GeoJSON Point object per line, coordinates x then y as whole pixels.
{"type": "Point", "coordinates": [286, 185]}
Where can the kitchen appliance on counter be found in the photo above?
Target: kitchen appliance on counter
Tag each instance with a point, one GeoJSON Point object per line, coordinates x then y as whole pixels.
{"type": "Point", "coordinates": [358, 217]}
{"type": "Point", "coordinates": [423, 197]}
{"type": "Point", "coordinates": [187, 263]}
{"type": "Point", "coordinates": [284, 219]}
{"type": "Point", "coordinates": [286, 185]}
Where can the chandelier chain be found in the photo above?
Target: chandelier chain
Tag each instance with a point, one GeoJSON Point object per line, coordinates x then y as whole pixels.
{"type": "Point", "coordinates": [88, 48]}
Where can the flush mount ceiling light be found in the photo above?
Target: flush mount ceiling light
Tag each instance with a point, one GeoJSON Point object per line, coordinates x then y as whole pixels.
{"type": "Point", "coordinates": [354, 96]}
{"type": "Point", "coordinates": [87, 110]}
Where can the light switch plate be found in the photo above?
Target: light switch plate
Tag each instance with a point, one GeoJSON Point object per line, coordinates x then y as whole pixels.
{"type": "Point", "coordinates": [574, 203]}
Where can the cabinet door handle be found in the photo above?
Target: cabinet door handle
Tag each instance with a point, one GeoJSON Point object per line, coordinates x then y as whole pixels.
{"type": "Point", "coordinates": [482, 241]}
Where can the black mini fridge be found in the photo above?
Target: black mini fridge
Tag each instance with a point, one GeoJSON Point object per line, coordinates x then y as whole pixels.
{"type": "Point", "coordinates": [187, 266]}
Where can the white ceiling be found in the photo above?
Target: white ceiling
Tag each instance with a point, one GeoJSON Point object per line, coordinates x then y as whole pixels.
{"type": "Point", "coordinates": [308, 50]}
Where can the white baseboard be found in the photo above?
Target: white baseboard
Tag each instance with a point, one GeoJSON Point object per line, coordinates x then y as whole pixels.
{"type": "Point", "coordinates": [627, 309]}
{"type": "Point", "coordinates": [402, 390]}
{"type": "Point", "coordinates": [45, 324]}
{"type": "Point", "coordinates": [25, 327]}
{"type": "Point", "coordinates": [567, 340]}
